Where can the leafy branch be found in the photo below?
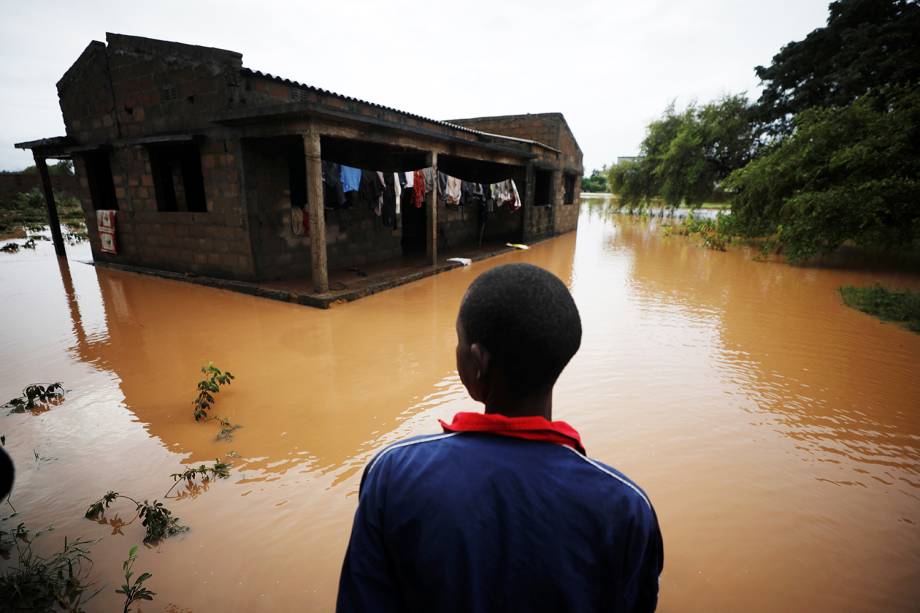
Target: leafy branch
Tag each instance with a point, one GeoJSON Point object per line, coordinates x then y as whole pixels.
{"type": "Point", "coordinates": [135, 590]}
{"type": "Point", "coordinates": [207, 387]}
{"type": "Point", "coordinates": [36, 398]}
{"type": "Point", "coordinates": [158, 520]}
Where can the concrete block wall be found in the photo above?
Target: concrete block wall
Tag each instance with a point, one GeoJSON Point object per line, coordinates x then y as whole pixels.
{"type": "Point", "coordinates": [356, 236]}
{"type": "Point", "coordinates": [215, 242]}
{"type": "Point", "coordinates": [137, 86]}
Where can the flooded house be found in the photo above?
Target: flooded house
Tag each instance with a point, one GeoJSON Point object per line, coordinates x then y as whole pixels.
{"type": "Point", "coordinates": [194, 166]}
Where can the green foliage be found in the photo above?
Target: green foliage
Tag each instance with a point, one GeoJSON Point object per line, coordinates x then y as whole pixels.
{"type": "Point", "coordinates": [902, 307]}
{"type": "Point", "coordinates": [866, 45]}
{"type": "Point", "coordinates": [36, 398]}
{"type": "Point", "coordinates": [595, 182]}
{"type": "Point", "coordinates": [37, 583]}
{"type": "Point", "coordinates": [156, 518]}
{"type": "Point", "coordinates": [846, 174]}
{"type": "Point", "coordinates": [97, 509]}
{"type": "Point", "coordinates": [61, 167]}
{"type": "Point", "coordinates": [633, 182]}
{"type": "Point", "coordinates": [219, 470]}
{"type": "Point", "coordinates": [159, 521]}
{"type": "Point", "coordinates": [207, 387]}
{"type": "Point", "coordinates": [27, 209]}
{"type": "Point", "coordinates": [226, 428]}
{"type": "Point", "coordinates": [134, 590]}
{"type": "Point", "coordinates": [713, 232]}
{"type": "Point", "coordinates": [685, 155]}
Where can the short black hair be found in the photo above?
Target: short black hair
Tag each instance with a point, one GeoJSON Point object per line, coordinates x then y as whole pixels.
{"type": "Point", "coordinates": [527, 320]}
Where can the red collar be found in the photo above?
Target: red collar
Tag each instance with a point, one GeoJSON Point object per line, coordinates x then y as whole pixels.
{"type": "Point", "coordinates": [532, 428]}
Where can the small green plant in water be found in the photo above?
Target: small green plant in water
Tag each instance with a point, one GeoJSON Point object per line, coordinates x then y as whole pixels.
{"type": "Point", "coordinates": [207, 387]}
{"type": "Point", "coordinates": [902, 307]}
{"type": "Point", "coordinates": [37, 398]}
{"type": "Point", "coordinates": [134, 590]}
{"type": "Point", "coordinates": [158, 520]}
{"type": "Point", "coordinates": [39, 583]}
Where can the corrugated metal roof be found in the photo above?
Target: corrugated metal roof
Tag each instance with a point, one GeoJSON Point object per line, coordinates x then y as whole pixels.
{"type": "Point", "coordinates": [326, 92]}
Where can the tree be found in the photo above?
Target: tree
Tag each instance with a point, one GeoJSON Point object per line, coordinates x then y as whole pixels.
{"type": "Point", "coordinates": [849, 173]}
{"type": "Point", "coordinates": [632, 181]}
{"type": "Point", "coordinates": [595, 182]}
{"type": "Point", "coordinates": [685, 155]}
{"type": "Point", "coordinates": [61, 167]}
{"type": "Point", "coordinates": [867, 44]}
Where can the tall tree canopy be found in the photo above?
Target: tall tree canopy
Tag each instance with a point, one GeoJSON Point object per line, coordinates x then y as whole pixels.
{"type": "Point", "coordinates": [846, 173]}
{"type": "Point", "coordinates": [866, 44]}
{"type": "Point", "coordinates": [686, 154]}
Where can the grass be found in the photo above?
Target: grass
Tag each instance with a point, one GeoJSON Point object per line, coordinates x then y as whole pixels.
{"type": "Point", "coordinates": [27, 210]}
{"type": "Point", "coordinates": [902, 307]}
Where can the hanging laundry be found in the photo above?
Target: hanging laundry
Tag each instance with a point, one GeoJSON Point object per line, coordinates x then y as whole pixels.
{"type": "Point", "coordinates": [333, 195]}
{"type": "Point", "coordinates": [105, 224]}
{"type": "Point", "coordinates": [453, 191]}
{"type": "Point", "coordinates": [430, 179]}
{"type": "Point", "coordinates": [410, 178]}
{"type": "Point", "coordinates": [297, 226]}
{"type": "Point", "coordinates": [397, 188]}
{"type": "Point", "coordinates": [383, 189]}
{"type": "Point", "coordinates": [390, 200]}
{"type": "Point", "coordinates": [351, 179]}
{"type": "Point", "coordinates": [419, 188]}
{"type": "Point", "coordinates": [370, 190]}
{"type": "Point", "coordinates": [516, 203]}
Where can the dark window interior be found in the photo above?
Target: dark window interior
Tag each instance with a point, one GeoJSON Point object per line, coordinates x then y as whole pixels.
{"type": "Point", "coordinates": [569, 189]}
{"type": "Point", "coordinates": [543, 188]}
{"type": "Point", "coordinates": [177, 177]}
{"type": "Point", "coordinates": [297, 173]}
{"type": "Point", "coordinates": [99, 177]}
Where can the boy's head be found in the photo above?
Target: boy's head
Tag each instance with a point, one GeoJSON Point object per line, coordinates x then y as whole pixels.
{"type": "Point", "coordinates": [517, 329]}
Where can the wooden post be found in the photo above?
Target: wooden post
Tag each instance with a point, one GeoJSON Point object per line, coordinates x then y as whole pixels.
{"type": "Point", "coordinates": [432, 161]}
{"type": "Point", "coordinates": [53, 222]}
{"type": "Point", "coordinates": [320, 271]}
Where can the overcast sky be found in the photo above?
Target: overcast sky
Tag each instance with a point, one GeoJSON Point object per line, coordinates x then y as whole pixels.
{"type": "Point", "coordinates": [608, 66]}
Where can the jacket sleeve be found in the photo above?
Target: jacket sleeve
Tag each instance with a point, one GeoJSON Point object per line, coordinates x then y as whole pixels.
{"type": "Point", "coordinates": [367, 583]}
{"type": "Point", "coordinates": [645, 560]}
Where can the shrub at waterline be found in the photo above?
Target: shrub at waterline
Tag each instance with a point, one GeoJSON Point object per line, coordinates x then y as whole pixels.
{"type": "Point", "coordinates": [902, 307]}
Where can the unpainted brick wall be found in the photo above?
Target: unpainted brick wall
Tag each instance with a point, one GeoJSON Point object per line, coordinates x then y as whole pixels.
{"type": "Point", "coordinates": [215, 242]}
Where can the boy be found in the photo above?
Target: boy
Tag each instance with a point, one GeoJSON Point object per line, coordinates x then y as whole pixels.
{"type": "Point", "coordinates": [503, 511]}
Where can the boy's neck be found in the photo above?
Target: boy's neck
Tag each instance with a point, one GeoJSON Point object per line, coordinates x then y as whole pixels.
{"type": "Point", "coordinates": [539, 405]}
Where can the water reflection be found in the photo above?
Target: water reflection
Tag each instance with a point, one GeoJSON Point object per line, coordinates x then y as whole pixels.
{"type": "Point", "coordinates": [315, 389]}
{"type": "Point", "coordinates": [775, 429]}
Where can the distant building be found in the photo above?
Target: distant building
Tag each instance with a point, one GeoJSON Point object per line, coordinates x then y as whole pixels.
{"type": "Point", "coordinates": [210, 164]}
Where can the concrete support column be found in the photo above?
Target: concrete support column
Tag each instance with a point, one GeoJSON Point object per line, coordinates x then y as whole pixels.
{"type": "Point", "coordinates": [558, 198]}
{"type": "Point", "coordinates": [53, 222]}
{"type": "Point", "coordinates": [530, 184]}
{"type": "Point", "coordinates": [319, 266]}
{"type": "Point", "coordinates": [432, 161]}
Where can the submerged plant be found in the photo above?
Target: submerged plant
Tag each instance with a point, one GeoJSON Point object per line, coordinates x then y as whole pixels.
{"type": "Point", "coordinates": [207, 387]}
{"type": "Point", "coordinates": [226, 428]}
{"type": "Point", "coordinates": [219, 470]}
{"type": "Point", "coordinates": [158, 520]}
{"type": "Point", "coordinates": [36, 398]}
{"type": "Point", "coordinates": [39, 583]}
{"type": "Point", "coordinates": [134, 590]}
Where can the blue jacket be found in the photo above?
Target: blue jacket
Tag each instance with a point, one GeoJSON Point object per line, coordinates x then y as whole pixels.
{"type": "Point", "coordinates": [477, 522]}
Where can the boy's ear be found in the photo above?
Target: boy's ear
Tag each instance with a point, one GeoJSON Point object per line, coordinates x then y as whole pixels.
{"type": "Point", "coordinates": [482, 358]}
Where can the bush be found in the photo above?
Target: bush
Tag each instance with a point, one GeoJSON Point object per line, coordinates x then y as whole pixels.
{"type": "Point", "coordinates": [902, 307]}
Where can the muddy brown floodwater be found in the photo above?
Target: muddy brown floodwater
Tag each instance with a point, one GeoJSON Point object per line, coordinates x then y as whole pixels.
{"type": "Point", "coordinates": [776, 430]}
